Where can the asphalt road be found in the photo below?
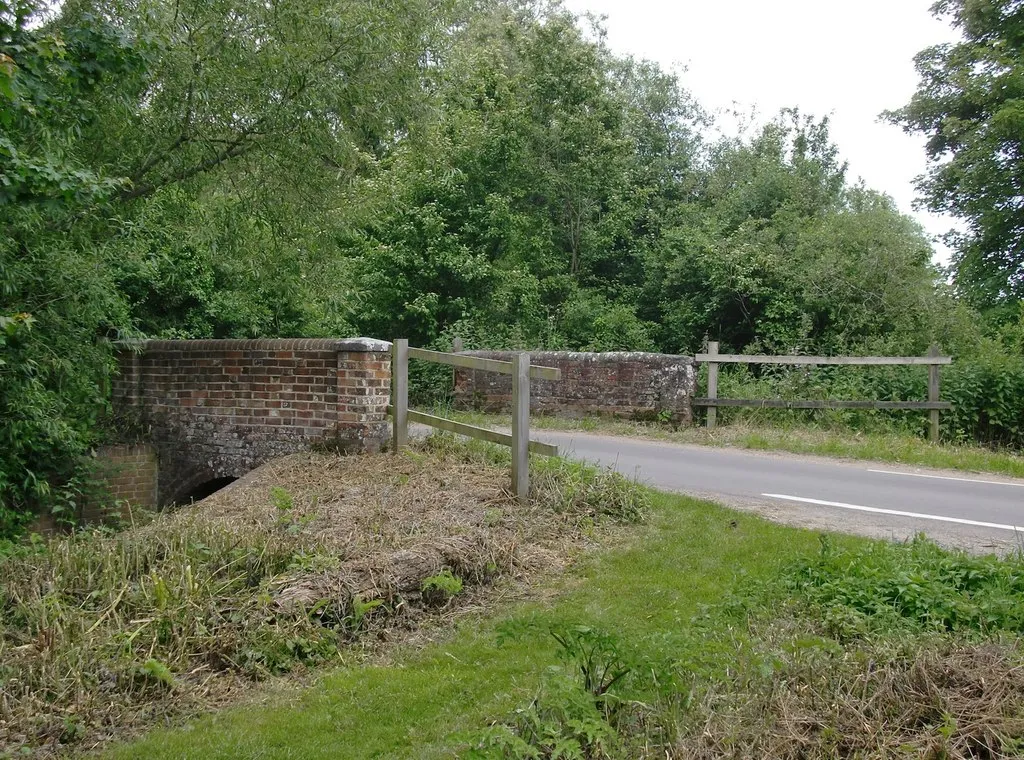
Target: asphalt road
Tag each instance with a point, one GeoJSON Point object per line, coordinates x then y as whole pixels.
{"type": "Point", "coordinates": [879, 499]}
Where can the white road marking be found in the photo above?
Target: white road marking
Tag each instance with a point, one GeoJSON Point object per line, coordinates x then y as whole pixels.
{"type": "Point", "coordinates": [896, 512]}
{"type": "Point", "coordinates": [946, 477]}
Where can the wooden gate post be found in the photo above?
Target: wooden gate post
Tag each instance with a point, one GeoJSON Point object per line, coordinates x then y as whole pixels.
{"type": "Point", "coordinates": [933, 395]}
{"type": "Point", "coordinates": [712, 383]}
{"type": "Point", "coordinates": [521, 426]}
{"type": "Point", "coordinates": [399, 394]}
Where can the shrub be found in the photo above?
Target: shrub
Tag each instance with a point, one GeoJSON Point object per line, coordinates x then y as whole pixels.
{"type": "Point", "coordinates": [987, 392]}
{"type": "Point", "coordinates": [49, 404]}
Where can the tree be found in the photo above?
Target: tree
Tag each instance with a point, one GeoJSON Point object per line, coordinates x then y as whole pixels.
{"type": "Point", "coordinates": [970, 105]}
{"type": "Point", "coordinates": [255, 119]}
{"type": "Point", "coordinates": [524, 212]}
{"type": "Point", "coordinates": [55, 302]}
{"type": "Point", "coordinates": [777, 254]}
{"type": "Point", "coordinates": [169, 166]}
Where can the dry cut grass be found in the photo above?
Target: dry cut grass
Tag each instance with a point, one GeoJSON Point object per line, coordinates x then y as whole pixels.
{"type": "Point", "coordinates": [103, 635]}
{"type": "Point", "coordinates": [943, 701]}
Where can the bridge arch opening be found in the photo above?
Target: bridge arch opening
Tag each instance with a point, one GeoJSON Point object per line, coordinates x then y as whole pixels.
{"type": "Point", "coordinates": [206, 488]}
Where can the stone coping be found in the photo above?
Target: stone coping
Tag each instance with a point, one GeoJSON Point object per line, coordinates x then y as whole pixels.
{"type": "Point", "coordinates": [580, 355]}
{"type": "Point", "coordinates": [261, 344]}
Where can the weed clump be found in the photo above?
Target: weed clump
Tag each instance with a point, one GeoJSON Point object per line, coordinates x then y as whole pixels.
{"type": "Point", "coordinates": [917, 586]}
{"type": "Point", "coordinates": [608, 700]}
{"type": "Point", "coordinates": [438, 589]}
{"type": "Point", "coordinates": [584, 493]}
{"type": "Point", "coordinates": [99, 629]}
{"type": "Point", "coordinates": [587, 493]}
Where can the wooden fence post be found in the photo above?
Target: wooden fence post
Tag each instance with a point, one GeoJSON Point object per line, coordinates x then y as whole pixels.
{"type": "Point", "coordinates": [521, 426]}
{"type": "Point", "coordinates": [456, 349]}
{"type": "Point", "coordinates": [712, 383]}
{"type": "Point", "coordinates": [933, 395]}
{"type": "Point", "coordinates": [399, 394]}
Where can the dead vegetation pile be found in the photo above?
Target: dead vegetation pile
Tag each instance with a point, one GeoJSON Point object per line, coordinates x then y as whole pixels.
{"type": "Point", "coordinates": [943, 701]}
{"type": "Point", "coordinates": [103, 634]}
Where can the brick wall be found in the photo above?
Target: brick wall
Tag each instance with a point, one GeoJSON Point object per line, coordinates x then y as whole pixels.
{"type": "Point", "coordinates": [622, 384]}
{"type": "Point", "coordinates": [129, 474]}
{"type": "Point", "coordinates": [219, 408]}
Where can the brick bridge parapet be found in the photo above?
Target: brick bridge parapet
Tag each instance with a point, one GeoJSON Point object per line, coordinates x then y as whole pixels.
{"type": "Point", "coordinates": [219, 408]}
{"type": "Point", "coordinates": [628, 384]}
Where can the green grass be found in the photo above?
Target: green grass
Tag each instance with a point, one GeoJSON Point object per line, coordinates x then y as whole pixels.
{"type": "Point", "coordinates": [880, 447]}
{"type": "Point", "coordinates": [661, 590]}
{"type": "Point", "coordinates": [129, 629]}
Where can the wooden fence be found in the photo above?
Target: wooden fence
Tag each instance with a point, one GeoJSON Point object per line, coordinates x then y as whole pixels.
{"type": "Point", "coordinates": [933, 405]}
{"type": "Point", "coordinates": [522, 372]}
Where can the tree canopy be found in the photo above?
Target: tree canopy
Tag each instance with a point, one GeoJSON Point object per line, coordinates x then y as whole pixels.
{"type": "Point", "coordinates": [970, 105]}
{"type": "Point", "coordinates": [159, 164]}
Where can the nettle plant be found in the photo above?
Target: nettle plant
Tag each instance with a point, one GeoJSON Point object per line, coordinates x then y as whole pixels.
{"type": "Point", "coordinates": [916, 586]}
{"type": "Point", "coordinates": [287, 520]}
{"type": "Point", "coordinates": [585, 707]}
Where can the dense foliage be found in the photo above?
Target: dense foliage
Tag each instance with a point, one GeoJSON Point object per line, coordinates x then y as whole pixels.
{"type": "Point", "coordinates": [969, 104]}
{"type": "Point", "coordinates": [429, 169]}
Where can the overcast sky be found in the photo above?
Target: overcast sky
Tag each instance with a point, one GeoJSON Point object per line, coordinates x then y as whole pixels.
{"type": "Point", "coordinates": [851, 60]}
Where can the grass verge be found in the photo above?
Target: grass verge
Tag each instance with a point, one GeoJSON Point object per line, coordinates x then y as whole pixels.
{"type": "Point", "coordinates": [880, 447]}
{"type": "Point", "coordinates": [700, 633]}
{"type": "Point", "coordinates": [429, 702]}
{"type": "Point", "coordinates": [103, 634]}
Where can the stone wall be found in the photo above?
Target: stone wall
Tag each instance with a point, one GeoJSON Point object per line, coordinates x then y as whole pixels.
{"type": "Point", "coordinates": [622, 384]}
{"type": "Point", "coordinates": [219, 408]}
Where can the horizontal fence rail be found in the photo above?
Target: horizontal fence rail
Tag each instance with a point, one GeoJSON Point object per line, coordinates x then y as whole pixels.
{"type": "Point", "coordinates": [481, 434]}
{"type": "Point", "coordinates": [476, 362]}
{"type": "Point", "coordinates": [823, 360]}
{"type": "Point", "coordinates": [933, 405]}
{"type": "Point", "coordinates": [776, 403]}
{"type": "Point", "coordinates": [519, 441]}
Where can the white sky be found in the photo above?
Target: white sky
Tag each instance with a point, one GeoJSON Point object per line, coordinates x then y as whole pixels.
{"type": "Point", "coordinates": [849, 60]}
